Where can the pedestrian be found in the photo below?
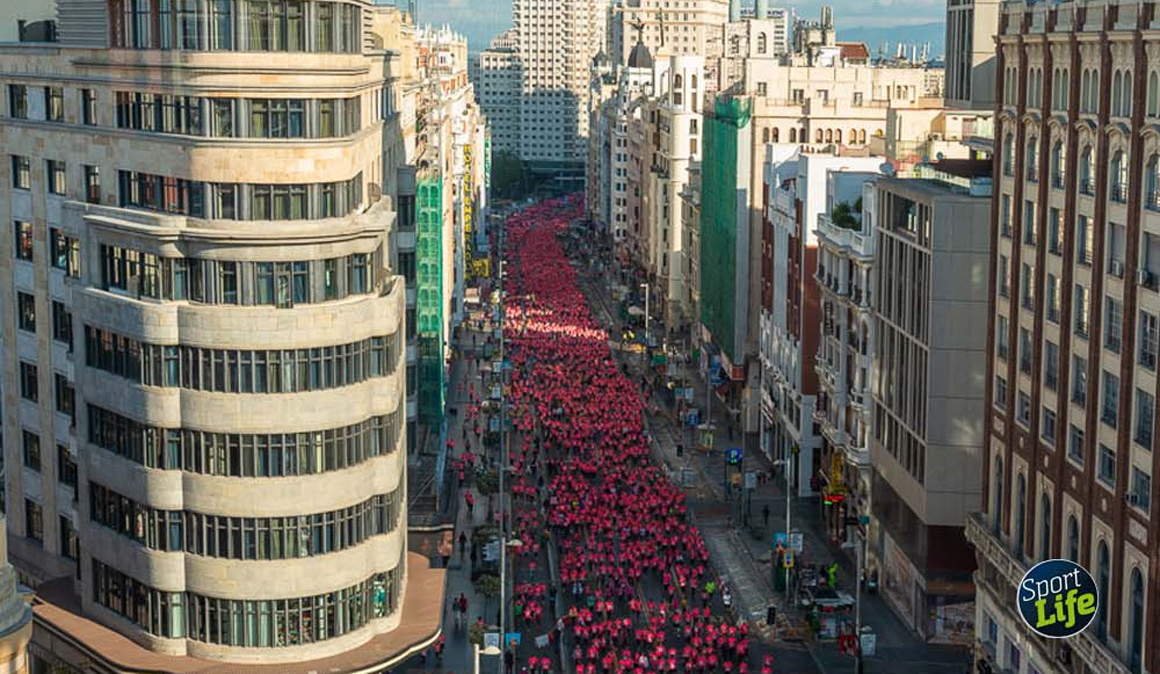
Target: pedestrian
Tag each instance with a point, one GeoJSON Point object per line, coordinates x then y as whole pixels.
{"type": "Point", "coordinates": [469, 498]}
{"type": "Point", "coordinates": [765, 515]}
{"type": "Point", "coordinates": [462, 544]}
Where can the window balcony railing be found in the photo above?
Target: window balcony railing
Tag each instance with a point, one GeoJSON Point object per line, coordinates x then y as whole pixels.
{"type": "Point", "coordinates": [1086, 186]}
{"type": "Point", "coordinates": [1118, 193]}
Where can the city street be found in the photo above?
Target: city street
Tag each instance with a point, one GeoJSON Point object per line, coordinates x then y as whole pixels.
{"type": "Point", "coordinates": [738, 557]}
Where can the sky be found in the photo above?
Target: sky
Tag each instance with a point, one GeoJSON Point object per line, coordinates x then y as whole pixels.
{"type": "Point", "coordinates": [480, 20]}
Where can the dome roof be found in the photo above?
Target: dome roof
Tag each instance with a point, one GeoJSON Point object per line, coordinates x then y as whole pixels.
{"type": "Point", "coordinates": [640, 57]}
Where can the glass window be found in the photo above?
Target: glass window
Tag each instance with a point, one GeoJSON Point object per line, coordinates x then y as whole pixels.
{"type": "Point", "coordinates": [1075, 449]}
{"type": "Point", "coordinates": [54, 103]}
{"type": "Point", "coordinates": [1107, 465]}
{"type": "Point", "coordinates": [23, 242]}
{"type": "Point", "coordinates": [56, 176]}
{"type": "Point", "coordinates": [1110, 405]}
{"type": "Point", "coordinates": [21, 172]}
{"type": "Point", "coordinates": [1145, 413]}
{"type": "Point", "coordinates": [221, 25]}
{"type": "Point", "coordinates": [18, 101]}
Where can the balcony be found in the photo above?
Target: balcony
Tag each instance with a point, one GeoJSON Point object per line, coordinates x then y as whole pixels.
{"type": "Point", "coordinates": [1095, 655]}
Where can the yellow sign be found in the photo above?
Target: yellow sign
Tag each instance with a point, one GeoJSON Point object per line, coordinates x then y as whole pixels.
{"type": "Point", "coordinates": [837, 479]}
{"type": "Point", "coordinates": [787, 560]}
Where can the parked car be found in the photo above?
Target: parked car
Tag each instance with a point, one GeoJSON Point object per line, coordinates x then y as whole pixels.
{"type": "Point", "coordinates": [825, 599]}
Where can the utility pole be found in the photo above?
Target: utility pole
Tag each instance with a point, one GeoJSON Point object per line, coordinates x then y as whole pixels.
{"type": "Point", "coordinates": [646, 317]}
{"type": "Point", "coordinates": [788, 519]}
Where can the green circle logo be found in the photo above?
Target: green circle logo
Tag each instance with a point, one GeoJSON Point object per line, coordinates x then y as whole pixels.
{"type": "Point", "coordinates": [1057, 598]}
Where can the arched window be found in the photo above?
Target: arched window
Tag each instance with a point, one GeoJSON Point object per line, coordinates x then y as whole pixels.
{"type": "Point", "coordinates": [1093, 92]}
{"type": "Point", "coordinates": [1064, 89]}
{"type": "Point", "coordinates": [862, 136]}
{"type": "Point", "coordinates": [853, 136]}
{"type": "Point", "coordinates": [1033, 159]}
{"type": "Point", "coordinates": [997, 492]}
{"type": "Point", "coordinates": [838, 136]}
{"type": "Point", "coordinates": [1009, 155]}
{"type": "Point", "coordinates": [792, 135]}
{"type": "Point", "coordinates": [678, 81]}
{"type": "Point", "coordinates": [775, 135]}
{"type": "Point", "coordinates": [1136, 623]}
{"type": "Point", "coordinates": [818, 136]}
{"type": "Point", "coordinates": [765, 135]}
{"type": "Point", "coordinates": [1126, 96]}
{"type": "Point", "coordinates": [1085, 171]}
{"type": "Point", "coordinates": [1117, 89]}
{"type": "Point", "coordinates": [1119, 189]}
{"type": "Point", "coordinates": [761, 43]}
{"type": "Point", "coordinates": [693, 83]}
{"type": "Point", "coordinates": [1153, 108]}
{"type": "Point", "coordinates": [1020, 515]}
{"type": "Point", "coordinates": [1152, 183]}
{"type": "Point", "coordinates": [1045, 527]}
{"type": "Point", "coordinates": [1072, 539]}
{"type": "Point", "coordinates": [1102, 574]}
{"type": "Point", "coordinates": [1058, 162]}
{"type": "Point", "coordinates": [829, 135]}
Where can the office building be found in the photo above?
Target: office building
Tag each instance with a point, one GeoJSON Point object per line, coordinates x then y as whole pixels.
{"type": "Point", "coordinates": [205, 401]}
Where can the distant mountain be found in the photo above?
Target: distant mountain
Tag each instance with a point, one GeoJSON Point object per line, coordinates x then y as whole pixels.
{"type": "Point", "coordinates": [934, 33]}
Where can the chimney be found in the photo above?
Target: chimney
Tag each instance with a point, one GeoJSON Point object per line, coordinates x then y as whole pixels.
{"type": "Point", "coordinates": [763, 9]}
{"type": "Point", "coordinates": [734, 11]}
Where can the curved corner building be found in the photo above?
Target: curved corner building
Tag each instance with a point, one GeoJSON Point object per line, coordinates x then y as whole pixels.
{"type": "Point", "coordinates": [204, 377]}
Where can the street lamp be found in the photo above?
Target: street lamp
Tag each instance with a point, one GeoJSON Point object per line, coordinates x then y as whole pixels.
{"type": "Point", "coordinates": [490, 650]}
{"type": "Point", "coordinates": [787, 462]}
{"type": "Point", "coordinates": [646, 317]}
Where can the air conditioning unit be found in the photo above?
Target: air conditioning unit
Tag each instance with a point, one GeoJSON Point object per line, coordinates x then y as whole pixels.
{"type": "Point", "coordinates": [1117, 268]}
{"type": "Point", "coordinates": [1146, 278]}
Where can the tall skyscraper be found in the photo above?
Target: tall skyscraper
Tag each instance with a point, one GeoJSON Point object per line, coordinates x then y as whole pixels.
{"type": "Point", "coordinates": [558, 40]}
{"type": "Point", "coordinates": [1071, 458]}
{"type": "Point", "coordinates": [970, 61]}
{"type": "Point", "coordinates": [203, 353]}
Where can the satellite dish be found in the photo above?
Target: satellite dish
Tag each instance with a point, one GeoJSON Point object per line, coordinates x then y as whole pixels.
{"type": "Point", "coordinates": [887, 169]}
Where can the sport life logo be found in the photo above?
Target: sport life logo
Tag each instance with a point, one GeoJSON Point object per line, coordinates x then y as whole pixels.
{"type": "Point", "coordinates": [1057, 598]}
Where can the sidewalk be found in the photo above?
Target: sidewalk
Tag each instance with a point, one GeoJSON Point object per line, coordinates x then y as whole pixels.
{"type": "Point", "coordinates": [743, 559]}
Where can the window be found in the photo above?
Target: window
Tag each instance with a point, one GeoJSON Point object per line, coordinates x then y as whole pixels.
{"type": "Point", "coordinates": [55, 170]}
{"type": "Point", "coordinates": [1086, 179]}
{"type": "Point", "coordinates": [1023, 409]}
{"type": "Point", "coordinates": [1083, 240]}
{"type": "Point", "coordinates": [1001, 338]}
{"type": "Point", "coordinates": [1075, 444]}
{"type": "Point", "coordinates": [1113, 325]}
{"type": "Point", "coordinates": [1082, 307]}
{"type": "Point", "coordinates": [92, 184]}
{"type": "Point", "coordinates": [1047, 424]}
{"type": "Point", "coordinates": [1029, 223]}
{"type": "Point", "coordinates": [1149, 339]}
{"type": "Point", "coordinates": [66, 468]}
{"type": "Point", "coordinates": [1009, 155]}
{"type": "Point", "coordinates": [62, 324]}
{"type": "Point", "coordinates": [1078, 380]}
{"type": "Point", "coordinates": [1053, 298]}
{"type": "Point", "coordinates": [23, 246]}
{"type": "Point", "coordinates": [1058, 164]}
{"type": "Point", "coordinates": [65, 397]}
{"type": "Point", "coordinates": [21, 172]}
{"type": "Point", "coordinates": [88, 107]}
{"type": "Point", "coordinates": [33, 521]}
{"type": "Point", "coordinates": [1107, 466]}
{"type": "Point", "coordinates": [29, 383]}
{"type": "Point", "coordinates": [1145, 413]}
{"type": "Point", "coordinates": [26, 311]}
{"type": "Point", "coordinates": [1118, 191]}
{"type": "Point", "coordinates": [1033, 159]}
{"type": "Point", "coordinates": [1004, 277]}
{"type": "Point", "coordinates": [1025, 354]}
{"type": "Point", "coordinates": [31, 450]}
{"type": "Point", "coordinates": [18, 101]}
{"type": "Point", "coordinates": [54, 104]}
{"type": "Point", "coordinates": [1051, 365]}
{"type": "Point", "coordinates": [70, 547]}
{"type": "Point", "coordinates": [277, 118]}
{"type": "Point", "coordinates": [228, 278]}
{"type": "Point", "coordinates": [1110, 405]}
{"type": "Point", "coordinates": [1054, 242]}
{"type": "Point", "coordinates": [65, 252]}
{"type": "Point", "coordinates": [1141, 489]}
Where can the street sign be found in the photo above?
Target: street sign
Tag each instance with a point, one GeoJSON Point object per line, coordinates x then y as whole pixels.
{"type": "Point", "coordinates": [512, 638]}
{"type": "Point", "coordinates": [735, 479]}
{"type": "Point", "coordinates": [787, 560]}
{"type": "Point", "coordinates": [795, 541]}
{"type": "Point", "coordinates": [751, 480]}
{"type": "Point", "coordinates": [733, 455]}
{"type": "Point", "coordinates": [779, 539]}
{"type": "Point", "coordinates": [869, 642]}
{"type": "Point", "coordinates": [491, 640]}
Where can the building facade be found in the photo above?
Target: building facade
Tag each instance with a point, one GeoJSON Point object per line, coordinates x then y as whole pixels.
{"type": "Point", "coordinates": [1070, 462]}
{"type": "Point", "coordinates": [558, 41]}
{"type": "Point", "coordinates": [498, 82]}
{"type": "Point", "coordinates": [970, 54]}
{"type": "Point", "coordinates": [204, 378]}
{"type": "Point", "coordinates": [928, 386]}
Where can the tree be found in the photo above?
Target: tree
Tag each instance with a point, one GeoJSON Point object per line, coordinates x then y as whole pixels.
{"type": "Point", "coordinates": [488, 587]}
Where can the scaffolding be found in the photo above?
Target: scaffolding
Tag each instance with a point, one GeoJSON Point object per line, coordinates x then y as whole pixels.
{"type": "Point", "coordinates": [719, 220]}
{"type": "Point", "coordinates": [429, 319]}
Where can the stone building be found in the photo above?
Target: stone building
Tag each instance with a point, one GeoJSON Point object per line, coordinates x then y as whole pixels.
{"type": "Point", "coordinates": [1070, 458]}
{"type": "Point", "coordinates": [204, 390]}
